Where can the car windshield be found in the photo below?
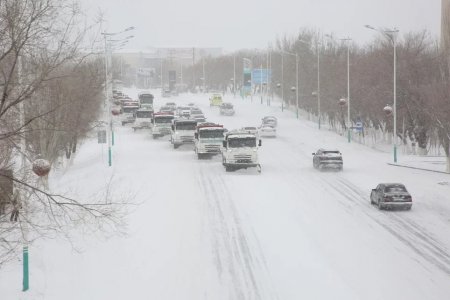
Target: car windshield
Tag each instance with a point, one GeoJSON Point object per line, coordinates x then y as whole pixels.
{"type": "Point", "coordinates": [143, 114]}
{"type": "Point", "coordinates": [395, 189]}
{"type": "Point", "coordinates": [129, 109]}
{"type": "Point", "coordinates": [209, 134]}
{"type": "Point", "coordinates": [163, 120]}
{"type": "Point", "coordinates": [330, 152]}
{"type": "Point", "coordinates": [241, 142]}
{"type": "Point", "coordinates": [196, 112]}
{"type": "Point", "coordinates": [249, 128]}
{"type": "Point", "coordinates": [186, 126]}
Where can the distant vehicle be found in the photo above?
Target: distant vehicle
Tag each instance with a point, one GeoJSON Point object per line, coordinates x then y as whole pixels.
{"type": "Point", "coordinates": [251, 130]}
{"type": "Point", "coordinates": [215, 99]}
{"type": "Point", "coordinates": [197, 115]}
{"type": "Point", "coordinates": [166, 109]}
{"type": "Point", "coordinates": [183, 112]}
{"type": "Point", "coordinates": [208, 139]}
{"type": "Point", "coordinates": [191, 104]}
{"type": "Point", "coordinates": [166, 93]}
{"type": "Point", "coordinates": [161, 124]}
{"type": "Point", "coordinates": [240, 151]}
{"type": "Point", "coordinates": [146, 100]}
{"type": "Point", "coordinates": [227, 109]}
{"type": "Point", "coordinates": [173, 105]}
{"type": "Point", "coordinates": [267, 131]}
{"type": "Point", "coordinates": [270, 121]}
{"type": "Point", "coordinates": [328, 159]}
{"type": "Point", "coordinates": [183, 131]}
{"type": "Point", "coordinates": [143, 119]}
{"type": "Point", "coordinates": [128, 112]}
{"type": "Point", "coordinates": [391, 195]}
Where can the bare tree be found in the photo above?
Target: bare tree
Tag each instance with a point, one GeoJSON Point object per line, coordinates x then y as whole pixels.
{"type": "Point", "coordinates": [46, 77]}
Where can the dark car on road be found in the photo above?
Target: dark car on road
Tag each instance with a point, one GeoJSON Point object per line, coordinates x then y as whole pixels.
{"type": "Point", "coordinates": [328, 159]}
{"type": "Point", "coordinates": [391, 195]}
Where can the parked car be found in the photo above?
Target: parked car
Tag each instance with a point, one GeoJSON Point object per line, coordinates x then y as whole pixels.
{"type": "Point", "coordinates": [227, 109]}
{"type": "Point", "coordinates": [391, 195]}
{"type": "Point", "coordinates": [267, 131]}
{"type": "Point", "coordinates": [328, 159]}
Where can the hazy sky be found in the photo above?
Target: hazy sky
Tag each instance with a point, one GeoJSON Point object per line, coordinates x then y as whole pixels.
{"type": "Point", "coordinates": [237, 24]}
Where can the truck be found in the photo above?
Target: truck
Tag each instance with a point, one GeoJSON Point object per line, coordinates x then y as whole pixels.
{"type": "Point", "coordinates": [208, 139]}
{"type": "Point", "coordinates": [215, 99]}
{"type": "Point", "coordinates": [161, 124]}
{"type": "Point", "coordinates": [143, 119]}
{"type": "Point", "coordinates": [146, 100]}
{"type": "Point", "coordinates": [183, 131]}
{"type": "Point", "coordinates": [128, 111]}
{"type": "Point", "coordinates": [240, 151]}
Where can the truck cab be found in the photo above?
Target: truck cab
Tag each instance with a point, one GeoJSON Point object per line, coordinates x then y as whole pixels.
{"type": "Point", "coordinates": [143, 119]}
{"type": "Point", "coordinates": [146, 100]}
{"type": "Point", "coordinates": [208, 139]}
{"type": "Point", "coordinates": [129, 109]}
{"type": "Point", "coordinates": [183, 131]}
{"type": "Point", "coordinates": [240, 151]}
{"type": "Point", "coordinates": [161, 124]}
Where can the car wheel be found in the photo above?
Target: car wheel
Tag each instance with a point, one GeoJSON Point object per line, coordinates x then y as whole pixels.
{"type": "Point", "coordinates": [380, 206]}
{"type": "Point", "coordinates": [175, 146]}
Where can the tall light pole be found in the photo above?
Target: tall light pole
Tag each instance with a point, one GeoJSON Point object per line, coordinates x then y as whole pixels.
{"type": "Point", "coordinates": [204, 78]}
{"type": "Point", "coordinates": [349, 136]}
{"type": "Point", "coordinates": [234, 76]}
{"type": "Point", "coordinates": [318, 78]}
{"type": "Point", "coordinates": [282, 81]}
{"type": "Point", "coordinates": [108, 100]}
{"type": "Point", "coordinates": [392, 35]}
{"type": "Point", "coordinates": [296, 76]}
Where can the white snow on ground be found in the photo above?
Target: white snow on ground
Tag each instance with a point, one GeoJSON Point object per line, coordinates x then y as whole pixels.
{"type": "Point", "coordinates": [291, 232]}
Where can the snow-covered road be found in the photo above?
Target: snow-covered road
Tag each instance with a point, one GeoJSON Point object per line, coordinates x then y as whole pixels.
{"type": "Point", "coordinates": [290, 232]}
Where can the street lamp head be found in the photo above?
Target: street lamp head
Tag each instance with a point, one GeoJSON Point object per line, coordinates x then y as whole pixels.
{"type": "Point", "coordinates": [129, 28]}
{"type": "Point", "coordinates": [278, 85]}
{"type": "Point", "coordinates": [370, 27]}
{"type": "Point", "coordinates": [293, 89]}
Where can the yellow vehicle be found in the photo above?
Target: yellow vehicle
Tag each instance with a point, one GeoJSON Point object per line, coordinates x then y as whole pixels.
{"type": "Point", "coordinates": [215, 100]}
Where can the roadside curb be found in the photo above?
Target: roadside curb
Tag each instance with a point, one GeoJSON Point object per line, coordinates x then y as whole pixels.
{"type": "Point", "coordinates": [422, 169]}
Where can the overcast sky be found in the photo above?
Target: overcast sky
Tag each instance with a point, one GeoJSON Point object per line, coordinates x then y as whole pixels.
{"type": "Point", "coordinates": [238, 24]}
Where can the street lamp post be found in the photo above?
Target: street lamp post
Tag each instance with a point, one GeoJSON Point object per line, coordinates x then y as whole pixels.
{"type": "Point", "coordinates": [234, 76]}
{"type": "Point", "coordinates": [318, 78]}
{"type": "Point", "coordinates": [108, 100]}
{"type": "Point", "coordinates": [392, 35]}
{"type": "Point", "coordinates": [349, 137]}
{"type": "Point", "coordinates": [296, 77]}
{"type": "Point", "coordinates": [204, 78]}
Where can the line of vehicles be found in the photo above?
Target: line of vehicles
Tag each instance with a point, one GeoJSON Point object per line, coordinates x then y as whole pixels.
{"type": "Point", "coordinates": [238, 148]}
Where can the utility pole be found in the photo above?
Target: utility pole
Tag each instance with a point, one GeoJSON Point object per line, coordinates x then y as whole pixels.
{"type": "Point", "coordinates": [25, 262]}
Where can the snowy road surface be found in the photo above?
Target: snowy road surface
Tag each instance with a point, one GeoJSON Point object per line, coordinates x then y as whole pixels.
{"type": "Point", "coordinates": [290, 232]}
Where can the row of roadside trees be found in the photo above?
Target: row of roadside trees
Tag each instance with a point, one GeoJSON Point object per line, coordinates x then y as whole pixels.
{"type": "Point", "coordinates": [51, 97]}
{"type": "Point", "coordinates": [423, 82]}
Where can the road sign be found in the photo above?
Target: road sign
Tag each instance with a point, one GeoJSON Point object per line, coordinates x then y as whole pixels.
{"type": "Point", "coordinates": [101, 136]}
{"type": "Point", "coordinates": [359, 126]}
{"type": "Point", "coordinates": [261, 76]}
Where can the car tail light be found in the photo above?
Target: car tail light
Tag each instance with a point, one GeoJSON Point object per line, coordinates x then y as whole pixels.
{"type": "Point", "coordinates": [386, 199]}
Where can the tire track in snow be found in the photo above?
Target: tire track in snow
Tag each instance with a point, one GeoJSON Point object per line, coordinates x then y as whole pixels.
{"type": "Point", "coordinates": [400, 226]}
{"type": "Point", "coordinates": [238, 257]}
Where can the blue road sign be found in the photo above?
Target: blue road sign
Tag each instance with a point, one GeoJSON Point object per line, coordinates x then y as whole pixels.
{"type": "Point", "coordinates": [261, 76]}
